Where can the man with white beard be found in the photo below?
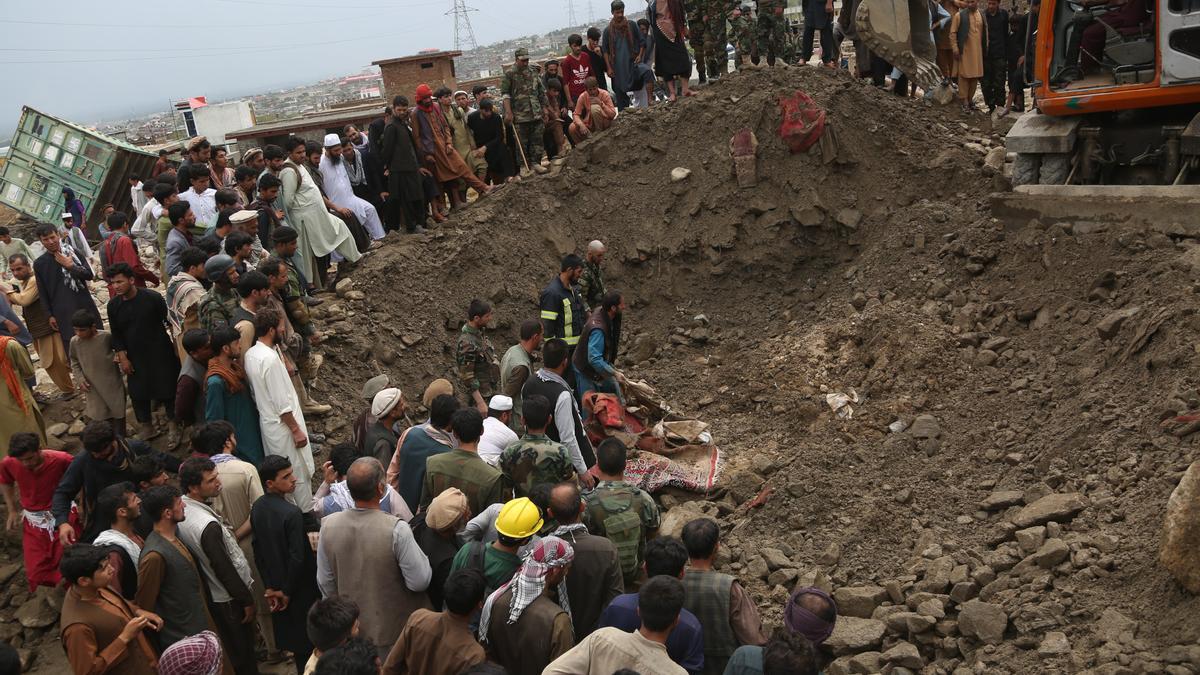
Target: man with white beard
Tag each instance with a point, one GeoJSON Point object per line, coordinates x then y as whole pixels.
{"type": "Point", "coordinates": [341, 192]}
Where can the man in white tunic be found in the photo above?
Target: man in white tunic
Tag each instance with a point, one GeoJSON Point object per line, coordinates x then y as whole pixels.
{"type": "Point", "coordinates": [304, 209]}
{"type": "Point", "coordinates": [201, 197]}
{"type": "Point", "coordinates": [279, 413]}
{"type": "Point", "coordinates": [341, 192]}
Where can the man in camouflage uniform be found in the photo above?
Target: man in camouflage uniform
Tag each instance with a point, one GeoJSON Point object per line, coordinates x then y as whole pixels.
{"type": "Point", "coordinates": [535, 458]}
{"type": "Point", "coordinates": [217, 306]}
{"type": "Point", "coordinates": [742, 31]}
{"type": "Point", "coordinates": [478, 368]}
{"type": "Point", "coordinates": [591, 284]}
{"type": "Point", "coordinates": [717, 13]}
{"type": "Point", "coordinates": [772, 29]}
{"type": "Point", "coordinates": [615, 503]}
{"type": "Point", "coordinates": [694, 11]}
{"type": "Point", "coordinates": [525, 104]}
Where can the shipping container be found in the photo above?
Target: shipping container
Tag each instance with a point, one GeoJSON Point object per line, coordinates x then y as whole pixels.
{"type": "Point", "coordinates": [49, 153]}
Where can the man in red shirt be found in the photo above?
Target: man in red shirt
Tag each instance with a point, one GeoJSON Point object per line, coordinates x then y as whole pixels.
{"type": "Point", "coordinates": [119, 247]}
{"type": "Point", "coordinates": [576, 68]}
{"type": "Point", "coordinates": [35, 471]}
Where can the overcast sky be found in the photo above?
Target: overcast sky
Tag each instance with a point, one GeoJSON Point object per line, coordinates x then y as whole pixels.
{"type": "Point", "coordinates": [89, 61]}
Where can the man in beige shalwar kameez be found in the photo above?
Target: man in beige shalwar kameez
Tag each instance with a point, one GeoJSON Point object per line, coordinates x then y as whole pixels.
{"type": "Point", "coordinates": [969, 43]}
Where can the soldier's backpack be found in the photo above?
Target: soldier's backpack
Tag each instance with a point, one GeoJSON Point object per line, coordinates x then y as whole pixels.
{"type": "Point", "coordinates": [613, 510]}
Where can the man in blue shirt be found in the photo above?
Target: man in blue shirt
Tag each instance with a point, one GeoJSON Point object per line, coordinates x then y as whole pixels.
{"type": "Point", "coordinates": [597, 349]}
{"type": "Point", "coordinates": [685, 645]}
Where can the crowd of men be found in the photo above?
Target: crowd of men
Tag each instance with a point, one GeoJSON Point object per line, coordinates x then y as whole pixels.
{"type": "Point", "coordinates": [493, 537]}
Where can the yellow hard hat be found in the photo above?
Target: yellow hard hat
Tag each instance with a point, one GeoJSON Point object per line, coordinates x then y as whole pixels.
{"type": "Point", "coordinates": [519, 518]}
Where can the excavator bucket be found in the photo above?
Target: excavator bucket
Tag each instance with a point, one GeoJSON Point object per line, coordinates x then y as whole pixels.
{"type": "Point", "coordinates": [898, 31]}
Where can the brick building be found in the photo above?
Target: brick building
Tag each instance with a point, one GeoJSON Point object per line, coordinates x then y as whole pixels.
{"type": "Point", "coordinates": [402, 75]}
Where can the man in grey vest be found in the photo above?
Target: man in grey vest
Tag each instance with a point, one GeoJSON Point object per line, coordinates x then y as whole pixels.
{"type": "Point", "coordinates": [224, 566]}
{"type": "Point", "coordinates": [169, 583]}
{"type": "Point", "coordinates": [726, 611]}
{"type": "Point", "coordinates": [370, 557]}
{"type": "Point", "coordinates": [517, 366]}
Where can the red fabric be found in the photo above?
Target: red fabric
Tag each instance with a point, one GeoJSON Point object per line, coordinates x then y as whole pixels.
{"type": "Point", "coordinates": [36, 487]}
{"type": "Point", "coordinates": [801, 121]}
{"type": "Point", "coordinates": [577, 71]}
{"type": "Point", "coordinates": [423, 91]}
{"type": "Point", "coordinates": [43, 551]}
{"type": "Point", "coordinates": [124, 251]}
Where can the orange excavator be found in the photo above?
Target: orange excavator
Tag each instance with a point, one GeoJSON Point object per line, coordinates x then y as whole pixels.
{"type": "Point", "coordinates": [1116, 86]}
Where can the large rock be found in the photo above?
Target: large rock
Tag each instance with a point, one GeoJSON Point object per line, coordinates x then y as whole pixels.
{"type": "Point", "coordinates": [1053, 644]}
{"type": "Point", "coordinates": [904, 655]}
{"type": "Point", "coordinates": [1051, 553]}
{"type": "Point", "coordinates": [673, 520]}
{"type": "Point", "coordinates": [1114, 626]}
{"type": "Point", "coordinates": [1051, 508]}
{"type": "Point", "coordinates": [776, 559]}
{"type": "Point", "coordinates": [9, 571]}
{"type": "Point", "coordinates": [37, 612]}
{"type": "Point", "coordinates": [859, 601]}
{"type": "Point", "coordinates": [1180, 551]}
{"type": "Point", "coordinates": [925, 426]}
{"type": "Point", "coordinates": [852, 634]}
{"type": "Point", "coordinates": [1110, 325]}
{"type": "Point", "coordinates": [1001, 500]}
{"type": "Point", "coordinates": [984, 621]}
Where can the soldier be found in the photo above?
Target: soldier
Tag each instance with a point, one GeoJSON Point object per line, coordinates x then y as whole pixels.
{"type": "Point", "coordinates": [694, 10]}
{"type": "Point", "coordinates": [535, 458]}
{"type": "Point", "coordinates": [525, 105]}
{"type": "Point", "coordinates": [591, 284]}
{"type": "Point", "coordinates": [625, 514]}
{"type": "Point", "coordinates": [772, 30]}
{"type": "Point", "coordinates": [742, 31]}
{"type": "Point", "coordinates": [218, 304]}
{"type": "Point", "coordinates": [717, 35]}
{"type": "Point", "coordinates": [477, 365]}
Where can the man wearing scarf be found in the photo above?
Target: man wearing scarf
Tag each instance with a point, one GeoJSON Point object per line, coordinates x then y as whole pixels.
{"type": "Point", "coordinates": [435, 146]}
{"type": "Point", "coordinates": [406, 471]}
{"type": "Point", "coordinates": [227, 397]}
{"type": "Point", "coordinates": [464, 140]}
{"type": "Point", "coordinates": [339, 184]}
{"type": "Point", "coordinates": [526, 623]}
{"type": "Point", "coordinates": [62, 275]}
{"type": "Point", "coordinates": [623, 45]}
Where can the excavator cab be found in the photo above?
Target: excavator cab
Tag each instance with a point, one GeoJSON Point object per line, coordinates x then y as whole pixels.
{"type": "Point", "coordinates": [1116, 86]}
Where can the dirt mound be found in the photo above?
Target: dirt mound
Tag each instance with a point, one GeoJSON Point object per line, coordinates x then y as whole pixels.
{"type": "Point", "coordinates": [993, 368]}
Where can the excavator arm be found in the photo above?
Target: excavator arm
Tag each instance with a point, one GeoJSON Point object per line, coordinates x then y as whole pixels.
{"type": "Point", "coordinates": [898, 31]}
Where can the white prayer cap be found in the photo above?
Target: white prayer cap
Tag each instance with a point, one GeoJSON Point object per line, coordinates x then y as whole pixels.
{"type": "Point", "coordinates": [500, 403]}
{"type": "Point", "coordinates": [66, 216]}
{"type": "Point", "coordinates": [384, 401]}
{"type": "Point", "coordinates": [596, 246]}
{"type": "Point", "coordinates": [460, 91]}
{"type": "Point", "coordinates": [243, 216]}
{"type": "Point", "coordinates": [332, 140]}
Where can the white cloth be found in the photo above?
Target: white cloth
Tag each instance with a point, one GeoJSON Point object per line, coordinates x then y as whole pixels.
{"type": "Point", "coordinates": [137, 196]}
{"type": "Point", "coordinates": [204, 206]}
{"type": "Point", "coordinates": [496, 437]}
{"type": "Point", "coordinates": [197, 516]}
{"type": "Point", "coordinates": [610, 649]}
{"type": "Point", "coordinates": [115, 538]}
{"type": "Point", "coordinates": [145, 226]}
{"type": "Point", "coordinates": [275, 396]}
{"type": "Point", "coordinates": [78, 240]}
{"type": "Point", "coordinates": [341, 192]}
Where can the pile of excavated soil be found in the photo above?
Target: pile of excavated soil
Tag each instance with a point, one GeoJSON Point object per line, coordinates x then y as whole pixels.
{"type": "Point", "coordinates": [994, 502]}
{"type": "Point", "coordinates": [878, 272]}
